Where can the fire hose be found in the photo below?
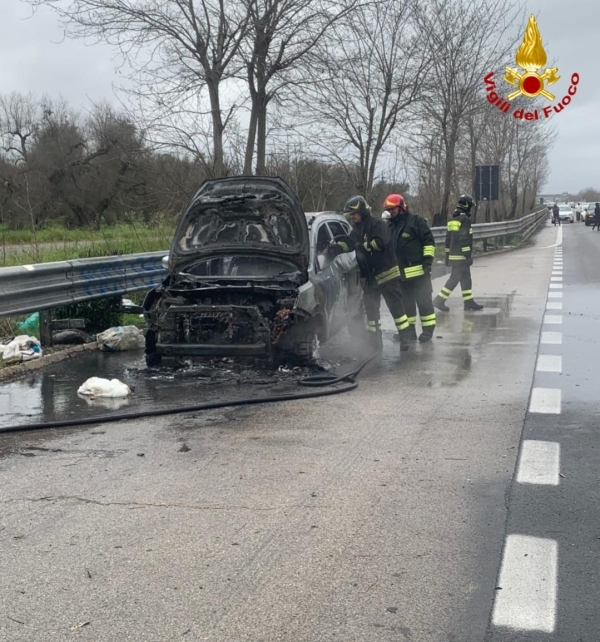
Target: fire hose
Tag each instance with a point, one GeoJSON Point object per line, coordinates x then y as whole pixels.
{"type": "Point", "coordinates": [324, 380]}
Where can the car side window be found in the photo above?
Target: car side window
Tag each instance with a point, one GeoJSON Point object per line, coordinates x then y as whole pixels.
{"type": "Point", "coordinates": [337, 229]}
{"type": "Point", "coordinates": [323, 239]}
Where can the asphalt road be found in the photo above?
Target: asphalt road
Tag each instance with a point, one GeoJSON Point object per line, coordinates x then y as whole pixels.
{"type": "Point", "coordinates": [390, 513]}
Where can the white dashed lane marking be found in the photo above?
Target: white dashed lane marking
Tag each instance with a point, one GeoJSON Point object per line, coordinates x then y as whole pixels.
{"type": "Point", "coordinates": [555, 295]}
{"type": "Point", "coordinates": [546, 401]}
{"type": "Point", "coordinates": [556, 286]}
{"type": "Point", "coordinates": [553, 319]}
{"type": "Point", "coordinates": [554, 305]}
{"type": "Point", "coordinates": [539, 463]}
{"type": "Point", "coordinates": [551, 338]}
{"type": "Point", "coordinates": [526, 599]}
{"type": "Point", "coordinates": [549, 363]}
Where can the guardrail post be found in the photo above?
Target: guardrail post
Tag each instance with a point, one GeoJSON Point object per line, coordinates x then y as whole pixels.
{"type": "Point", "coordinates": [484, 245]}
{"type": "Point", "coordinates": [45, 328]}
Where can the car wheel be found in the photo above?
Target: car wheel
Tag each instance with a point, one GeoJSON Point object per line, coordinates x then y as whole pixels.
{"type": "Point", "coordinates": [153, 359]}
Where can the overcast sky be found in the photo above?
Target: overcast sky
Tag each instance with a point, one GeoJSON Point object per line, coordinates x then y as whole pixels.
{"type": "Point", "coordinates": [36, 59]}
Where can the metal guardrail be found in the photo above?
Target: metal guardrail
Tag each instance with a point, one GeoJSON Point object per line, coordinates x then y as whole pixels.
{"type": "Point", "coordinates": [44, 286]}
{"type": "Point", "coordinates": [30, 288]}
{"type": "Point", "coordinates": [502, 228]}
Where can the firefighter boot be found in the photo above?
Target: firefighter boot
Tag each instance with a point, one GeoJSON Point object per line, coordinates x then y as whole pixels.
{"type": "Point", "coordinates": [411, 334]}
{"type": "Point", "coordinates": [376, 341]}
{"type": "Point", "coordinates": [440, 304]}
{"type": "Point", "coordinates": [427, 334]}
{"type": "Point", "coordinates": [471, 306]}
{"type": "Point", "coordinates": [405, 339]}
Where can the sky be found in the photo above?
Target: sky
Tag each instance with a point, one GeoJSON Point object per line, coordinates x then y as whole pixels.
{"type": "Point", "coordinates": [35, 58]}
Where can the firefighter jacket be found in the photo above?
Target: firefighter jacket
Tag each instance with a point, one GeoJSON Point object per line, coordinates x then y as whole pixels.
{"type": "Point", "coordinates": [414, 245]}
{"type": "Point", "coordinates": [374, 250]}
{"type": "Point", "coordinates": [459, 238]}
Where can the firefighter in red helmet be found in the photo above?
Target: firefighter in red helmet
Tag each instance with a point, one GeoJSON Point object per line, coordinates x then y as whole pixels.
{"type": "Point", "coordinates": [415, 250]}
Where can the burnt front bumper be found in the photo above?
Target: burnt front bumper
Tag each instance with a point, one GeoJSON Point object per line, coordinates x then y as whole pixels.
{"type": "Point", "coordinates": [213, 331]}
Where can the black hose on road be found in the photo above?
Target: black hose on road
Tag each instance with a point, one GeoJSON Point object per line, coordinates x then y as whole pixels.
{"type": "Point", "coordinates": [312, 381]}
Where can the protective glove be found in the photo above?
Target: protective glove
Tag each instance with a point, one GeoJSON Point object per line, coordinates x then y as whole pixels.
{"type": "Point", "coordinates": [427, 268]}
{"type": "Point", "coordinates": [447, 261]}
{"type": "Point", "coordinates": [367, 247]}
{"type": "Point", "coordinates": [333, 250]}
{"type": "Point", "coordinates": [469, 261]}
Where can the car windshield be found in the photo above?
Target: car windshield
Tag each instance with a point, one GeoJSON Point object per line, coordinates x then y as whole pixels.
{"type": "Point", "coordinates": [565, 208]}
{"type": "Point", "coordinates": [233, 266]}
{"type": "Point", "coordinates": [241, 223]}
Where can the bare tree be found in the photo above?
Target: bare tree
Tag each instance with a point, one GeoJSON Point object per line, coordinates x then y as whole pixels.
{"type": "Point", "coordinates": [174, 48]}
{"type": "Point", "coordinates": [281, 35]}
{"type": "Point", "coordinates": [367, 74]}
{"type": "Point", "coordinates": [468, 38]}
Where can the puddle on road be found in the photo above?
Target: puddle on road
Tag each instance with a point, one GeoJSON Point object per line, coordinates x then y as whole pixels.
{"type": "Point", "coordinates": [51, 394]}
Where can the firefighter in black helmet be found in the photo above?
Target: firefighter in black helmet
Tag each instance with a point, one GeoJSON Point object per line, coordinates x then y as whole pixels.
{"type": "Point", "coordinates": [379, 268]}
{"type": "Point", "coordinates": [459, 251]}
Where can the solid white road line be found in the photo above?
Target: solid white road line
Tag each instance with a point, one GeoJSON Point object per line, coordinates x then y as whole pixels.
{"type": "Point", "coordinates": [554, 305]}
{"type": "Point", "coordinates": [551, 338]}
{"type": "Point", "coordinates": [556, 286]}
{"type": "Point", "coordinates": [539, 463]}
{"type": "Point", "coordinates": [553, 319]}
{"type": "Point", "coordinates": [555, 295]}
{"type": "Point", "coordinates": [549, 363]}
{"type": "Point", "coordinates": [545, 401]}
{"type": "Point", "coordinates": [528, 578]}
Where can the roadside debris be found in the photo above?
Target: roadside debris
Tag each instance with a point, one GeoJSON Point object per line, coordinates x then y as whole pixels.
{"type": "Point", "coordinates": [21, 348]}
{"type": "Point", "coordinates": [103, 388]}
{"type": "Point", "coordinates": [78, 626]}
{"type": "Point", "coordinates": [31, 325]}
{"type": "Point", "coordinates": [71, 337]}
{"type": "Point", "coordinates": [121, 338]}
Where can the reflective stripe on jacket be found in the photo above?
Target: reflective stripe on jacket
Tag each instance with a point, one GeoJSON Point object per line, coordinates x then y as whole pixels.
{"type": "Point", "coordinates": [459, 237]}
{"type": "Point", "coordinates": [413, 243]}
{"type": "Point", "coordinates": [373, 240]}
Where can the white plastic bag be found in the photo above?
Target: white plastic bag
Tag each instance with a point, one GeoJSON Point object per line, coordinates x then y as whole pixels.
{"type": "Point", "coordinates": [98, 387]}
{"type": "Point", "coordinates": [121, 338]}
{"type": "Point", "coordinates": [22, 348]}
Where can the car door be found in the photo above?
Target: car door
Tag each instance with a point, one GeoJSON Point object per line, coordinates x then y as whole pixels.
{"type": "Point", "coordinates": [351, 273]}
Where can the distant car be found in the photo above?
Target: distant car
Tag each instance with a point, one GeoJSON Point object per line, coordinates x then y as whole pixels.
{"type": "Point", "coordinates": [589, 214]}
{"type": "Point", "coordinates": [565, 213]}
{"type": "Point", "coordinates": [250, 276]}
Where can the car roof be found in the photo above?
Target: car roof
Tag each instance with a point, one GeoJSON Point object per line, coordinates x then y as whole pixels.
{"type": "Point", "coordinates": [311, 217]}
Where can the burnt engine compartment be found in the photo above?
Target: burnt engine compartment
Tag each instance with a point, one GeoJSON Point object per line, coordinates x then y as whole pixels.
{"type": "Point", "coordinates": [255, 319]}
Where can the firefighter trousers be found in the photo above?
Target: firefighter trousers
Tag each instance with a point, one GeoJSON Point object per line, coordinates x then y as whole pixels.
{"type": "Point", "coordinates": [392, 295]}
{"type": "Point", "coordinates": [416, 293]}
{"type": "Point", "coordinates": [461, 273]}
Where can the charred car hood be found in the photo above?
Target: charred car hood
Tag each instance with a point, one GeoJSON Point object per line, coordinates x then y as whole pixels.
{"type": "Point", "coordinates": [242, 214]}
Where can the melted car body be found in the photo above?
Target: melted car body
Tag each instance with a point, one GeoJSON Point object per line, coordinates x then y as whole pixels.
{"type": "Point", "coordinates": [249, 277]}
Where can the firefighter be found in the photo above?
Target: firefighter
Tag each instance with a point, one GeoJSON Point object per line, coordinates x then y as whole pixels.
{"type": "Point", "coordinates": [380, 275]}
{"type": "Point", "coordinates": [415, 250]}
{"type": "Point", "coordinates": [459, 251]}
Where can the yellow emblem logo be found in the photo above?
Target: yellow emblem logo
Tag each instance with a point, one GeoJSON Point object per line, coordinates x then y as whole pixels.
{"type": "Point", "coordinates": [531, 57]}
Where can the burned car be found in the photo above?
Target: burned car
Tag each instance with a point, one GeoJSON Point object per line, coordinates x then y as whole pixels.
{"type": "Point", "coordinates": [249, 276]}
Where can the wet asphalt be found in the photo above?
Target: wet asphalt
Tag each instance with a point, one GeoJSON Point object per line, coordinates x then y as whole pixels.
{"type": "Point", "coordinates": [568, 514]}
{"type": "Point", "coordinates": [379, 515]}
